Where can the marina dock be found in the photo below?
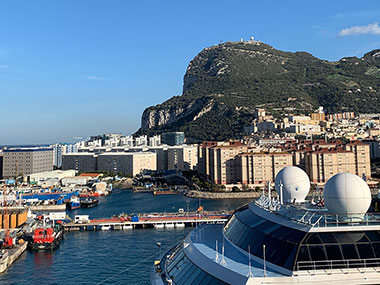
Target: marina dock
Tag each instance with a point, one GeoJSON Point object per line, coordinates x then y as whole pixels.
{"type": "Point", "coordinates": [158, 221]}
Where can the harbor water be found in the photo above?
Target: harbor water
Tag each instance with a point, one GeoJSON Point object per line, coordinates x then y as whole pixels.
{"type": "Point", "coordinates": [110, 257]}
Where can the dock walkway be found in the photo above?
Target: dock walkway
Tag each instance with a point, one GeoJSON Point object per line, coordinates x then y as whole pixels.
{"type": "Point", "coordinates": [149, 221]}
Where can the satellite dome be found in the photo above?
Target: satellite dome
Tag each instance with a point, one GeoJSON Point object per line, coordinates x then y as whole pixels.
{"type": "Point", "coordinates": [295, 184]}
{"type": "Point", "coordinates": [348, 195]}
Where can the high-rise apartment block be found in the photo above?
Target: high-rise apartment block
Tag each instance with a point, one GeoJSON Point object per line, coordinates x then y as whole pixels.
{"type": "Point", "coordinates": [184, 157]}
{"type": "Point", "coordinates": [321, 165]}
{"type": "Point", "coordinates": [235, 163]}
{"type": "Point", "coordinates": [221, 160]}
{"type": "Point", "coordinates": [61, 149]}
{"type": "Point", "coordinates": [257, 168]}
{"type": "Point", "coordinates": [173, 138]}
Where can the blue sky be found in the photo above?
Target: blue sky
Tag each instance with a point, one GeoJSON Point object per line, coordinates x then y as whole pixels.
{"type": "Point", "coordinates": [78, 68]}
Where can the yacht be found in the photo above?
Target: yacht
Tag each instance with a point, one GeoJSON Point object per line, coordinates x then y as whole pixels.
{"type": "Point", "coordinates": [284, 239]}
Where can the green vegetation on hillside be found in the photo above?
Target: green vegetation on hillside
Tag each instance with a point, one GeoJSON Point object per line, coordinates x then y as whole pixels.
{"type": "Point", "coordinates": [235, 78]}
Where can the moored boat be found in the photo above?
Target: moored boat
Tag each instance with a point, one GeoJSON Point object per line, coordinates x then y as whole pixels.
{"type": "Point", "coordinates": [89, 202]}
{"type": "Point", "coordinates": [46, 238]}
{"type": "Point", "coordinates": [74, 203]}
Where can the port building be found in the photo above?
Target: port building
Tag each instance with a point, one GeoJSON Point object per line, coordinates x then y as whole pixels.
{"type": "Point", "coordinates": [26, 160]}
{"type": "Point", "coordinates": [80, 161]}
{"type": "Point", "coordinates": [127, 163]}
{"type": "Point", "coordinates": [13, 218]}
{"type": "Point", "coordinates": [130, 163]}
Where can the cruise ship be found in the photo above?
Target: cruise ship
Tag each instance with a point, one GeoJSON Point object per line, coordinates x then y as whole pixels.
{"type": "Point", "coordinates": [284, 239]}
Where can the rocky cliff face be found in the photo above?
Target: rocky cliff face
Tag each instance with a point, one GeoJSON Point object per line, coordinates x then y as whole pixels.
{"type": "Point", "coordinates": [166, 115]}
{"type": "Point", "coordinates": [224, 84]}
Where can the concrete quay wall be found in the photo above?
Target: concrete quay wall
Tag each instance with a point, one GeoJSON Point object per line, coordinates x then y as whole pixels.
{"type": "Point", "coordinates": [14, 253]}
{"type": "Point", "coordinates": [222, 195]}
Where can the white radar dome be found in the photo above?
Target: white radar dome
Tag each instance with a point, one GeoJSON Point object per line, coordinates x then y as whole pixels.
{"type": "Point", "coordinates": [348, 195]}
{"type": "Point", "coordinates": [295, 184]}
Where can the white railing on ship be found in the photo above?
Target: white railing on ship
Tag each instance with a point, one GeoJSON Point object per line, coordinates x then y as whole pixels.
{"type": "Point", "coordinates": [338, 264]}
{"type": "Point", "coordinates": [316, 218]}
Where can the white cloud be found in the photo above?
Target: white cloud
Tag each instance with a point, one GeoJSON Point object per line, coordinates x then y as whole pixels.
{"type": "Point", "coordinates": [373, 29]}
{"type": "Point", "coordinates": [91, 77]}
{"type": "Point", "coordinates": [3, 66]}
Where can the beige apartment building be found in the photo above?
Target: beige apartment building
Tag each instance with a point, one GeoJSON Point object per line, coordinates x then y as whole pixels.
{"type": "Point", "coordinates": [183, 157]}
{"type": "Point", "coordinates": [257, 168]}
{"type": "Point", "coordinates": [362, 158]}
{"type": "Point", "coordinates": [25, 161]}
{"type": "Point", "coordinates": [321, 165]}
{"type": "Point", "coordinates": [204, 156]}
{"type": "Point", "coordinates": [221, 159]}
{"type": "Point", "coordinates": [131, 163]}
{"type": "Point", "coordinates": [233, 162]}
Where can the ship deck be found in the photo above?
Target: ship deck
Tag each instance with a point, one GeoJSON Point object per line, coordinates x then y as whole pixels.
{"type": "Point", "coordinates": [203, 240]}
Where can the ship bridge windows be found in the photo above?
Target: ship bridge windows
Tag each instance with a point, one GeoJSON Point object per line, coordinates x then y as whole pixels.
{"type": "Point", "coordinates": [182, 271]}
{"type": "Point", "coordinates": [246, 229]}
{"type": "Point", "coordinates": [338, 250]}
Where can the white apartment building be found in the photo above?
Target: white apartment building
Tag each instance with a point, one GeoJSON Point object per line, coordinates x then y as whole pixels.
{"type": "Point", "coordinates": [155, 140]}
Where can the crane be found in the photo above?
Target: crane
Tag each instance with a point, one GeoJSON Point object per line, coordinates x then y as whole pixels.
{"type": "Point", "coordinates": [8, 242]}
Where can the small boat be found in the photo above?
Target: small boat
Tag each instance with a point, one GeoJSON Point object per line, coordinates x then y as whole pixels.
{"type": "Point", "coordinates": [88, 202]}
{"type": "Point", "coordinates": [159, 226]}
{"type": "Point", "coordinates": [169, 225]}
{"type": "Point", "coordinates": [164, 192]}
{"type": "Point", "coordinates": [180, 225]}
{"type": "Point", "coordinates": [90, 194]}
{"type": "Point", "coordinates": [127, 227]}
{"type": "Point", "coordinates": [105, 228]}
{"type": "Point", "coordinates": [74, 203]}
{"type": "Point", "coordinates": [46, 238]}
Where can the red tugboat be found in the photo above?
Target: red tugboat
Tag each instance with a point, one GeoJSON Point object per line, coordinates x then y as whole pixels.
{"type": "Point", "coordinates": [47, 238]}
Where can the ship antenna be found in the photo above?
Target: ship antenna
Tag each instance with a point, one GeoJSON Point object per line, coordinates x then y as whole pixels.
{"type": "Point", "coordinates": [265, 265]}
{"type": "Point", "coordinates": [281, 192]}
{"type": "Point", "coordinates": [223, 261]}
{"type": "Point", "coordinates": [250, 275]}
{"type": "Point", "coordinates": [217, 253]}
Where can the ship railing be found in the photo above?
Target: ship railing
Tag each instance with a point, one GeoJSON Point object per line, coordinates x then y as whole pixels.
{"type": "Point", "coordinates": [337, 220]}
{"type": "Point", "coordinates": [337, 264]}
{"type": "Point", "coordinates": [317, 218]}
{"type": "Point", "coordinates": [42, 236]}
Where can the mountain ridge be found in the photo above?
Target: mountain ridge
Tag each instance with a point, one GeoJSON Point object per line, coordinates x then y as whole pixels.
{"type": "Point", "coordinates": [225, 83]}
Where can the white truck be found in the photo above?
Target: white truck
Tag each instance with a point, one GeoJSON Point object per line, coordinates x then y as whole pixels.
{"type": "Point", "coordinates": [81, 219]}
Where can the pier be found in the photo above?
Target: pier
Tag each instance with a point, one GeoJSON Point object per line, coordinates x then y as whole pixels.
{"type": "Point", "coordinates": [156, 220]}
{"type": "Point", "coordinates": [10, 255]}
